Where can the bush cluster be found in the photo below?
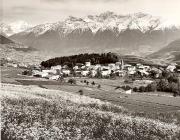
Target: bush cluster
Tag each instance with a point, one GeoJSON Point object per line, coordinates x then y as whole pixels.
{"type": "Point", "coordinates": [149, 88]}
{"type": "Point", "coordinates": [72, 81]}
{"type": "Point", "coordinates": [162, 85]}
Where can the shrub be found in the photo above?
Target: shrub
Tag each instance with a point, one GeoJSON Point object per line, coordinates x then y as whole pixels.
{"type": "Point", "coordinates": [117, 87]}
{"type": "Point", "coordinates": [142, 89]}
{"type": "Point", "coordinates": [165, 74]}
{"type": "Point", "coordinates": [135, 89]}
{"type": "Point", "coordinates": [72, 81]}
{"type": "Point", "coordinates": [174, 88]}
{"type": "Point", "coordinates": [99, 86]}
{"type": "Point", "coordinates": [151, 87]}
{"type": "Point", "coordinates": [163, 85]}
{"type": "Point", "coordinates": [93, 83]}
{"type": "Point", "coordinates": [126, 87]}
{"type": "Point", "coordinates": [26, 72]}
{"type": "Point", "coordinates": [128, 81]}
{"type": "Point", "coordinates": [173, 78]}
{"type": "Point", "coordinates": [81, 92]}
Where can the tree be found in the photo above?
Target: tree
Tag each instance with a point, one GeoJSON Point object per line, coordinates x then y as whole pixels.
{"type": "Point", "coordinates": [153, 74]}
{"type": "Point", "coordinates": [135, 89]}
{"type": "Point", "coordinates": [99, 86]}
{"type": "Point", "coordinates": [174, 87]}
{"type": "Point", "coordinates": [165, 74]}
{"type": "Point", "coordinates": [142, 89]}
{"type": "Point", "coordinates": [151, 87]}
{"type": "Point", "coordinates": [163, 85]}
{"type": "Point", "coordinates": [81, 92]}
{"type": "Point", "coordinates": [26, 72]}
{"type": "Point", "coordinates": [99, 74]}
{"type": "Point", "coordinates": [93, 83]}
{"type": "Point", "coordinates": [72, 81]}
{"type": "Point", "coordinates": [173, 78]}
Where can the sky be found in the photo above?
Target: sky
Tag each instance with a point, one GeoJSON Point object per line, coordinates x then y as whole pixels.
{"type": "Point", "coordinates": [43, 11]}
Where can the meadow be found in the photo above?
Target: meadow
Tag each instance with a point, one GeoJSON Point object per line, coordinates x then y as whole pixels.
{"type": "Point", "coordinates": [31, 112]}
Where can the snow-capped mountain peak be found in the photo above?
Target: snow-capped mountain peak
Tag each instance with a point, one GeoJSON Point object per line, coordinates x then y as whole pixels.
{"type": "Point", "coordinates": [19, 26]}
{"type": "Point", "coordinates": [14, 27]}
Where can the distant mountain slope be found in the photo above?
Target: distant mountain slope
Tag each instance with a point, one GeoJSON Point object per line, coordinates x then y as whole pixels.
{"type": "Point", "coordinates": [14, 45]}
{"type": "Point", "coordinates": [4, 40]}
{"type": "Point", "coordinates": [131, 34]}
{"type": "Point", "coordinates": [170, 53]}
{"type": "Point", "coordinates": [19, 53]}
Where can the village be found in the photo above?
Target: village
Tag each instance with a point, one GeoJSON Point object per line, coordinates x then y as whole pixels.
{"type": "Point", "coordinates": [129, 78]}
{"type": "Point", "coordinates": [118, 69]}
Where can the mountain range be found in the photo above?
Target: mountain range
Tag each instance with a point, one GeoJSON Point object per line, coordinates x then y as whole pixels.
{"type": "Point", "coordinates": [133, 34]}
{"type": "Point", "coordinates": [136, 34]}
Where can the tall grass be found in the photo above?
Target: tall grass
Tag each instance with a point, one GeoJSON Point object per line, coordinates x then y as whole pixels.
{"type": "Point", "coordinates": [49, 114]}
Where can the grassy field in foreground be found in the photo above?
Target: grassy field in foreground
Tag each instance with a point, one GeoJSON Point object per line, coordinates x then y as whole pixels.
{"type": "Point", "coordinates": [30, 112]}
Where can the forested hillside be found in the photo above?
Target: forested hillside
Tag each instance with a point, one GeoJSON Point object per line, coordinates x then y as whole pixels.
{"type": "Point", "coordinates": [94, 58]}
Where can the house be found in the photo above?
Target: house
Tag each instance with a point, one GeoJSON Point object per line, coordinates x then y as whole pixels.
{"type": "Point", "coordinates": [128, 91]}
{"type": "Point", "coordinates": [171, 68]}
{"type": "Point", "coordinates": [117, 67]}
{"type": "Point", "coordinates": [51, 71]}
{"type": "Point", "coordinates": [93, 73]}
{"type": "Point", "coordinates": [79, 65]}
{"type": "Point", "coordinates": [131, 72]}
{"type": "Point", "coordinates": [147, 68]}
{"type": "Point", "coordinates": [178, 70]}
{"type": "Point", "coordinates": [65, 67]}
{"type": "Point", "coordinates": [87, 64]}
{"type": "Point", "coordinates": [44, 75]}
{"type": "Point", "coordinates": [54, 77]}
{"type": "Point", "coordinates": [104, 68]}
{"type": "Point", "coordinates": [118, 63]}
{"type": "Point", "coordinates": [66, 71]}
{"type": "Point", "coordinates": [120, 73]}
{"type": "Point", "coordinates": [75, 68]}
{"type": "Point", "coordinates": [131, 68]}
{"type": "Point", "coordinates": [106, 72]}
{"type": "Point", "coordinates": [97, 66]}
{"type": "Point", "coordinates": [84, 72]}
{"type": "Point", "coordinates": [126, 66]}
{"type": "Point", "coordinates": [22, 65]}
{"type": "Point", "coordinates": [12, 65]}
{"type": "Point", "coordinates": [112, 66]}
{"type": "Point", "coordinates": [58, 67]}
{"type": "Point", "coordinates": [39, 73]}
{"type": "Point", "coordinates": [78, 72]}
{"type": "Point", "coordinates": [83, 67]}
{"type": "Point", "coordinates": [143, 72]}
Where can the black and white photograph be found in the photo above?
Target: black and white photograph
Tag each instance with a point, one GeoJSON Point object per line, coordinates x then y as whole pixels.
{"type": "Point", "coordinates": [90, 69]}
